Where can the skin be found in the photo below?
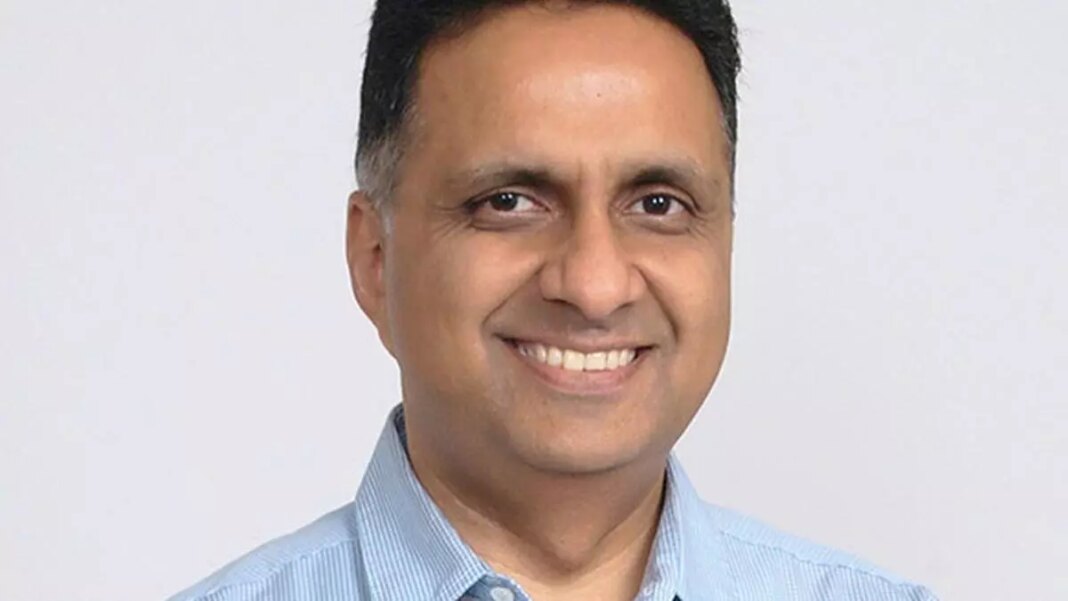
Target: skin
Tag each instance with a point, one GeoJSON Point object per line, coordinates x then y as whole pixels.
{"type": "Point", "coordinates": [583, 113]}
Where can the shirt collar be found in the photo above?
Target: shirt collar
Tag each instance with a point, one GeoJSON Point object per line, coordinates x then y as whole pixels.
{"type": "Point", "coordinates": [688, 553]}
{"type": "Point", "coordinates": [410, 551]}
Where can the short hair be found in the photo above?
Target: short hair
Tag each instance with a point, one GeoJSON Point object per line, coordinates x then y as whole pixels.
{"type": "Point", "coordinates": [401, 30]}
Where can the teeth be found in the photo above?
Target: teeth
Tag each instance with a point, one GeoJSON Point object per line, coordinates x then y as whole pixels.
{"type": "Point", "coordinates": [612, 361]}
{"type": "Point", "coordinates": [555, 357]}
{"type": "Point", "coordinates": [574, 361]}
{"type": "Point", "coordinates": [541, 354]}
{"type": "Point", "coordinates": [596, 361]}
{"type": "Point", "coordinates": [577, 361]}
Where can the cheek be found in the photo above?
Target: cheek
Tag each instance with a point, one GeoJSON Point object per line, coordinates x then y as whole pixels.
{"type": "Point", "coordinates": [707, 307]}
{"type": "Point", "coordinates": [443, 292]}
{"type": "Point", "coordinates": [706, 339]}
{"type": "Point", "coordinates": [692, 286]}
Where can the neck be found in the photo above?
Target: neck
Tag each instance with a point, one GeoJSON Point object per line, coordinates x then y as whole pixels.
{"type": "Point", "coordinates": [558, 535]}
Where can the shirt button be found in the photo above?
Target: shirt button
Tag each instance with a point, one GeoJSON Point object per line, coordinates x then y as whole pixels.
{"type": "Point", "coordinates": [499, 593]}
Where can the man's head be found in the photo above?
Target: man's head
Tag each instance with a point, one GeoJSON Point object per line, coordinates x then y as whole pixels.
{"type": "Point", "coordinates": [555, 176]}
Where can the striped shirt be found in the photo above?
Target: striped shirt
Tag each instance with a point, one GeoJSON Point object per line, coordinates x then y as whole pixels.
{"type": "Point", "coordinates": [393, 543]}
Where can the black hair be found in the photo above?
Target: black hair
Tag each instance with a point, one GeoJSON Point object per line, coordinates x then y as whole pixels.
{"type": "Point", "coordinates": [401, 30]}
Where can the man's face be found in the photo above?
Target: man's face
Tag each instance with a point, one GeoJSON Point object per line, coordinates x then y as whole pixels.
{"type": "Point", "coordinates": [566, 186]}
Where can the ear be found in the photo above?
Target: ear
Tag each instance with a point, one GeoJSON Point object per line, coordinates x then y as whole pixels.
{"type": "Point", "coordinates": [365, 237]}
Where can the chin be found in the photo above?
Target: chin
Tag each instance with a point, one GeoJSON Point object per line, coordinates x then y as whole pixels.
{"type": "Point", "coordinates": [571, 436]}
{"type": "Point", "coordinates": [576, 454]}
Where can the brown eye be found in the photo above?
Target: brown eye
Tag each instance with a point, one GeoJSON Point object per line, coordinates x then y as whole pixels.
{"type": "Point", "coordinates": [509, 202]}
{"type": "Point", "coordinates": [504, 210]}
{"type": "Point", "coordinates": [661, 204]}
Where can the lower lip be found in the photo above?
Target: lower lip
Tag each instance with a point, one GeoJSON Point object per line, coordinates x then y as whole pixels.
{"type": "Point", "coordinates": [585, 383]}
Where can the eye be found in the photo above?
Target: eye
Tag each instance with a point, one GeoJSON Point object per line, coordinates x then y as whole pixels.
{"type": "Point", "coordinates": [660, 204]}
{"type": "Point", "coordinates": [507, 202]}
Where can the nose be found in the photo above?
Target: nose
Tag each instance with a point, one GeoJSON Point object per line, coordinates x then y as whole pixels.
{"type": "Point", "coordinates": [591, 271]}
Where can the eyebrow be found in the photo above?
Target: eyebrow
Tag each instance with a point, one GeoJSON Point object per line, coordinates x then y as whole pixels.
{"type": "Point", "coordinates": [506, 172]}
{"type": "Point", "coordinates": [682, 173]}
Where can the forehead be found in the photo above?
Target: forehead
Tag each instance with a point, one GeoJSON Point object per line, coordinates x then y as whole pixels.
{"type": "Point", "coordinates": [583, 82]}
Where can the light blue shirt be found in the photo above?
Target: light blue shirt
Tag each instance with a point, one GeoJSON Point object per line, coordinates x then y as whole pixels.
{"type": "Point", "coordinates": [393, 543]}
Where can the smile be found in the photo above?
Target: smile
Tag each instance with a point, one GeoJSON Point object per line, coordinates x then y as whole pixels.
{"type": "Point", "coordinates": [573, 360]}
{"type": "Point", "coordinates": [598, 372]}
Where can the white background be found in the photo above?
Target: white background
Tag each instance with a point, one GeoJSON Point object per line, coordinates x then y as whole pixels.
{"type": "Point", "coordinates": [183, 373]}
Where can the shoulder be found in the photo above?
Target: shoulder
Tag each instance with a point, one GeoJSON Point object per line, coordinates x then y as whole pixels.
{"type": "Point", "coordinates": [769, 564]}
{"type": "Point", "coordinates": [324, 552]}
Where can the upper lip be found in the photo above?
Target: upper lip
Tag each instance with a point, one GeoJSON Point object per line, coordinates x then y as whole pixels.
{"type": "Point", "coordinates": [587, 345]}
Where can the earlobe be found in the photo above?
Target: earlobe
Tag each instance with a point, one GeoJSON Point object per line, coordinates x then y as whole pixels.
{"type": "Point", "coordinates": [364, 239]}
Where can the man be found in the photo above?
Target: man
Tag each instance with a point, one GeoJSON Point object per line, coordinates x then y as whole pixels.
{"type": "Point", "coordinates": [543, 241]}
